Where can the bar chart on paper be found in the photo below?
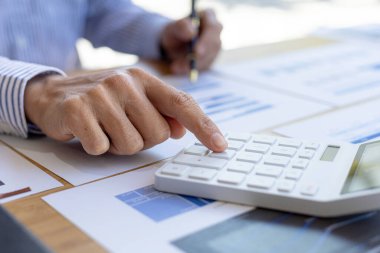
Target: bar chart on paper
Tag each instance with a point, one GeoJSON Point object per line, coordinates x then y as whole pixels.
{"type": "Point", "coordinates": [356, 125]}
{"type": "Point", "coordinates": [238, 106]}
{"type": "Point", "coordinates": [255, 230]}
{"type": "Point", "coordinates": [337, 74]}
{"type": "Point", "coordinates": [160, 206]}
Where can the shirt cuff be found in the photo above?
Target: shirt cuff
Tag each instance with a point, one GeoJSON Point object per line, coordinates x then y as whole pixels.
{"type": "Point", "coordinates": [14, 76]}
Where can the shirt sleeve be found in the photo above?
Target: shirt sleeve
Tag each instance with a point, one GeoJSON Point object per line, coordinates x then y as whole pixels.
{"type": "Point", "coordinates": [125, 27]}
{"type": "Point", "coordinates": [14, 76]}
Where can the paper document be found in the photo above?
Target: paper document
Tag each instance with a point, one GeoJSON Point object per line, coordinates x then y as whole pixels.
{"type": "Point", "coordinates": [72, 163]}
{"type": "Point", "coordinates": [364, 33]}
{"type": "Point", "coordinates": [16, 174]}
{"type": "Point", "coordinates": [126, 214]}
{"type": "Point", "coordinates": [236, 106]}
{"type": "Point", "coordinates": [356, 124]}
{"type": "Point", "coordinates": [337, 74]}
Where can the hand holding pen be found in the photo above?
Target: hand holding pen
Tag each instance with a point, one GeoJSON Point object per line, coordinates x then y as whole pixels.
{"type": "Point", "coordinates": [177, 36]}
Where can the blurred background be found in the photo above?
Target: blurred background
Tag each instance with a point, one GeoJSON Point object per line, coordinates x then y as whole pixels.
{"type": "Point", "coordinates": [251, 22]}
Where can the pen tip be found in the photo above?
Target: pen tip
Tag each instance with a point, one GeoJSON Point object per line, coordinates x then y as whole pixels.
{"type": "Point", "coordinates": [194, 75]}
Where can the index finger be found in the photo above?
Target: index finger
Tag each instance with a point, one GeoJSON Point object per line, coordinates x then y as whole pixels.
{"type": "Point", "coordinates": [182, 107]}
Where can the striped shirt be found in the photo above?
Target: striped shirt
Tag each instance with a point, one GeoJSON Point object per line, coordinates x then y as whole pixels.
{"type": "Point", "coordinates": [39, 36]}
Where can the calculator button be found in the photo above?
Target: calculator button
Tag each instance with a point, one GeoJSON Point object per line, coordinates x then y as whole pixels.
{"type": "Point", "coordinates": [174, 169]}
{"type": "Point", "coordinates": [239, 136]}
{"type": "Point", "coordinates": [307, 154]}
{"type": "Point", "coordinates": [309, 189]}
{"type": "Point", "coordinates": [240, 167]}
{"type": "Point", "coordinates": [264, 139]}
{"type": "Point", "coordinates": [300, 163]}
{"type": "Point", "coordinates": [257, 148]}
{"type": "Point", "coordinates": [290, 143]}
{"type": "Point", "coordinates": [293, 174]}
{"type": "Point", "coordinates": [196, 150]}
{"type": "Point", "coordinates": [235, 145]}
{"type": "Point", "coordinates": [285, 185]}
{"type": "Point", "coordinates": [202, 173]}
{"type": "Point", "coordinates": [201, 161]}
{"type": "Point", "coordinates": [249, 157]}
{"type": "Point", "coordinates": [260, 182]}
{"type": "Point", "coordinates": [312, 145]}
{"type": "Point", "coordinates": [265, 170]}
{"type": "Point", "coordinates": [231, 177]}
{"type": "Point", "coordinates": [277, 160]}
{"type": "Point", "coordinates": [284, 151]}
{"type": "Point", "coordinates": [228, 154]}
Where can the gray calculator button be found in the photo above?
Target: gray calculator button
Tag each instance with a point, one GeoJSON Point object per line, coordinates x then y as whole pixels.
{"type": "Point", "coordinates": [235, 145]}
{"type": "Point", "coordinates": [264, 139]}
{"type": "Point", "coordinates": [285, 185]}
{"type": "Point", "coordinates": [202, 173]}
{"type": "Point", "coordinates": [265, 170]}
{"type": "Point", "coordinates": [239, 136]}
{"type": "Point", "coordinates": [307, 154]}
{"type": "Point", "coordinates": [312, 145]}
{"type": "Point", "coordinates": [293, 174]}
{"type": "Point", "coordinates": [249, 157]}
{"type": "Point", "coordinates": [174, 169]}
{"type": "Point", "coordinates": [242, 167]}
{"type": "Point", "coordinates": [257, 148]}
{"type": "Point", "coordinates": [196, 150]}
{"type": "Point", "coordinates": [260, 182]}
{"type": "Point", "coordinates": [277, 160]}
{"type": "Point", "coordinates": [309, 189]}
{"type": "Point", "coordinates": [200, 161]}
{"type": "Point", "coordinates": [284, 151]}
{"type": "Point", "coordinates": [300, 163]}
{"type": "Point", "coordinates": [231, 177]}
{"type": "Point", "coordinates": [227, 154]}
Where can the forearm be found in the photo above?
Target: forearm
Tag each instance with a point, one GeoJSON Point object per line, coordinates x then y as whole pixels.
{"type": "Point", "coordinates": [14, 76]}
{"type": "Point", "coordinates": [125, 27]}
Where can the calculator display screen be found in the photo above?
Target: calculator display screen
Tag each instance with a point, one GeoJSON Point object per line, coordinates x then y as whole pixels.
{"type": "Point", "coordinates": [365, 171]}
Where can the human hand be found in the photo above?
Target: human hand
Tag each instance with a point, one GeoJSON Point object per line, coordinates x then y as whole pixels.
{"type": "Point", "coordinates": [178, 34]}
{"type": "Point", "coordinates": [122, 111]}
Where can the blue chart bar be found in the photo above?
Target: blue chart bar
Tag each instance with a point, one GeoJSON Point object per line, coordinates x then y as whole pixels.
{"type": "Point", "coordinates": [366, 138]}
{"type": "Point", "coordinates": [160, 206]}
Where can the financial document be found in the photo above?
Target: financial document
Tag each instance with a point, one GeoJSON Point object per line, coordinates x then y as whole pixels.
{"type": "Point", "coordinates": [16, 174]}
{"type": "Point", "coordinates": [237, 106]}
{"type": "Point", "coordinates": [364, 33]}
{"type": "Point", "coordinates": [126, 214]}
{"type": "Point", "coordinates": [130, 216]}
{"type": "Point", "coordinates": [336, 74]}
{"type": "Point", "coordinates": [72, 163]}
{"type": "Point", "coordinates": [356, 124]}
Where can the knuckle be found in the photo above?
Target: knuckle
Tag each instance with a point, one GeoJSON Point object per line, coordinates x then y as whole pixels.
{"type": "Point", "coordinates": [206, 123]}
{"type": "Point", "coordinates": [115, 80]}
{"type": "Point", "coordinates": [136, 72]}
{"type": "Point", "coordinates": [182, 99]}
{"type": "Point", "coordinates": [134, 146]}
{"type": "Point", "coordinates": [160, 136]}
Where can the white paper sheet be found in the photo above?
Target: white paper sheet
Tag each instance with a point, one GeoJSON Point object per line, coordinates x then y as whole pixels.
{"type": "Point", "coordinates": [125, 214]}
{"type": "Point", "coordinates": [17, 173]}
{"type": "Point", "coordinates": [237, 106]}
{"type": "Point", "coordinates": [336, 74]}
{"type": "Point", "coordinates": [72, 163]}
{"type": "Point", "coordinates": [354, 124]}
{"type": "Point", "coordinates": [364, 33]}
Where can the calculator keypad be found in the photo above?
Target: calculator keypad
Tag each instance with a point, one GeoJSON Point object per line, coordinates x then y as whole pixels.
{"type": "Point", "coordinates": [256, 161]}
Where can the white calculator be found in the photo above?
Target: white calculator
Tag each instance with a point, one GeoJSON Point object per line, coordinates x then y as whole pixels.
{"type": "Point", "coordinates": [324, 179]}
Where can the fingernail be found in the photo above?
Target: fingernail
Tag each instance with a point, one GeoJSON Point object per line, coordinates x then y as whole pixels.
{"type": "Point", "coordinates": [218, 141]}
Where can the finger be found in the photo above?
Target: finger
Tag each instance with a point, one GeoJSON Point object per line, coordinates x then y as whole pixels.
{"type": "Point", "coordinates": [209, 39]}
{"type": "Point", "coordinates": [83, 125]}
{"type": "Point", "coordinates": [184, 109]}
{"type": "Point", "coordinates": [182, 30]}
{"type": "Point", "coordinates": [149, 123]}
{"type": "Point", "coordinates": [180, 66]}
{"type": "Point", "coordinates": [125, 139]}
{"type": "Point", "coordinates": [177, 130]}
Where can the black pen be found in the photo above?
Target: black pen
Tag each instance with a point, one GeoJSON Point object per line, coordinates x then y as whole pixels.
{"type": "Point", "coordinates": [193, 63]}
